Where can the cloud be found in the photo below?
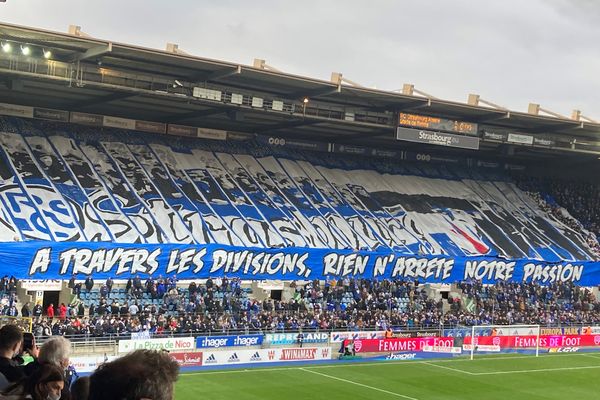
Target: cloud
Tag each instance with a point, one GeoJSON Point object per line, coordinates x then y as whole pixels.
{"type": "Point", "coordinates": [587, 11]}
{"type": "Point", "coordinates": [511, 52]}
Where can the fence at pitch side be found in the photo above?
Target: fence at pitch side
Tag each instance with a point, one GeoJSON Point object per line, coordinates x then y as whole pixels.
{"type": "Point", "coordinates": [451, 346]}
{"type": "Point", "coordinates": [217, 350]}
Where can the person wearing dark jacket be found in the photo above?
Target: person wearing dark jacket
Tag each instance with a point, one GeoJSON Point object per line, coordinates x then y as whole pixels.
{"type": "Point", "coordinates": [89, 283]}
{"type": "Point", "coordinates": [142, 374]}
{"type": "Point", "coordinates": [25, 311]}
{"type": "Point", "coordinates": [11, 339]}
{"type": "Point", "coordinates": [46, 383]}
{"type": "Point", "coordinates": [109, 285]}
{"type": "Point", "coordinates": [37, 310]}
{"type": "Point", "coordinates": [55, 351]}
{"type": "Point", "coordinates": [128, 286]}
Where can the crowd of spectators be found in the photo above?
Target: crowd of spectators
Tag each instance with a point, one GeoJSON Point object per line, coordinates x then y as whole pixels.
{"type": "Point", "coordinates": [217, 306]}
{"type": "Point", "coordinates": [526, 303]}
{"type": "Point", "coordinates": [8, 296]}
{"type": "Point", "coordinates": [575, 204]}
{"type": "Point", "coordinates": [29, 372]}
{"type": "Point", "coordinates": [349, 304]}
{"type": "Point", "coordinates": [582, 199]}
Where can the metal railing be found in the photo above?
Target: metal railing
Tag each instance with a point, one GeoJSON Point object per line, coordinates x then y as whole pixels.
{"type": "Point", "coordinates": [112, 338]}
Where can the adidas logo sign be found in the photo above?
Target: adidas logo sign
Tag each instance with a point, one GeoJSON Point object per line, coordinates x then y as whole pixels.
{"type": "Point", "coordinates": [255, 357]}
{"type": "Point", "coordinates": [211, 360]}
{"type": "Point", "coordinates": [234, 358]}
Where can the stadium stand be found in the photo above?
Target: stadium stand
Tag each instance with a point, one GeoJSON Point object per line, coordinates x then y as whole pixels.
{"type": "Point", "coordinates": [575, 204]}
{"type": "Point", "coordinates": [134, 188]}
{"type": "Point", "coordinates": [346, 305]}
{"type": "Point", "coordinates": [229, 248]}
{"type": "Point", "coordinates": [117, 186]}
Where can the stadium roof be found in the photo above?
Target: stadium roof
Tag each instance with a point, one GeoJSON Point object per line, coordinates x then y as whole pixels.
{"type": "Point", "coordinates": [103, 77]}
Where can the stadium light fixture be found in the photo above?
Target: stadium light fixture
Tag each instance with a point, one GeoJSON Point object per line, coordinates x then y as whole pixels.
{"type": "Point", "coordinates": [304, 104]}
{"type": "Point", "coordinates": [257, 102]}
{"type": "Point", "coordinates": [26, 50]}
{"type": "Point", "coordinates": [237, 98]}
{"type": "Point", "coordinates": [47, 54]}
{"type": "Point", "coordinates": [6, 47]}
{"type": "Point", "coordinates": [277, 105]}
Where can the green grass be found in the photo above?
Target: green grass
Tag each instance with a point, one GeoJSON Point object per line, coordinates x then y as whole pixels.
{"type": "Point", "coordinates": [548, 377]}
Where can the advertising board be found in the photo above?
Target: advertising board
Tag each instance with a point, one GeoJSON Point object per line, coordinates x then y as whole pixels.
{"type": "Point", "coordinates": [232, 357]}
{"type": "Point", "coordinates": [89, 364]}
{"type": "Point", "coordinates": [203, 342]}
{"type": "Point", "coordinates": [529, 341]}
{"type": "Point", "coordinates": [437, 138]}
{"type": "Point", "coordinates": [292, 338]}
{"type": "Point", "coordinates": [169, 344]}
{"type": "Point", "coordinates": [339, 337]}
{"type": "Point", "coordinates": [188, 358]}
{"type": "Point", "coordinates": [398, 345]}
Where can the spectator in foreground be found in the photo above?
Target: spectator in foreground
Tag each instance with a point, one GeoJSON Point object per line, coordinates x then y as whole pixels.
{"type": "Point", "coordinates": [45, 383]}
{"type": "Point", "coordinates": [142, 374]}
{"type": "Point", "coordinates": [11, 338]}
{"type": "Point", "coordinates": [80, 390]}
{"type": "Point", "coordinates": [55, 351]}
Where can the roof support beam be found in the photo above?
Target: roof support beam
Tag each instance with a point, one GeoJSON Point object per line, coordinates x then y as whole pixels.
{"type": "Point", "coordinates": [557, 128]}
{"type": "Point", "coordinates": [312, 93]}
{"type": "Point", "coordinates": [416, 104]}
{"type": "Point", "coordinates": [289, 124]}
{"type": "Point", "coordinates": [98, 100]}
{"type": "Point", "coordinates": [193, 115]}
{"type": "Point", "coordinates": [395, 107]}
{"type": "Point", "coordinates": [493, 116]}
{"type": "Point", "coordinates": [216, 75]}
{"type": "Point", "coordinates": [12, 84]}
{"type": "Point", "coordinates": [94, 52]}
{"type": "Point", "coordinates": [364, 135]}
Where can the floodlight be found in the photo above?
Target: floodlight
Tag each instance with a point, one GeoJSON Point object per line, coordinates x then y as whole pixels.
{"type": "Point", "coordinates": [6, 47]}
{"type": "Point", "coordinates": [25, 50]}
{"type": "Point", "coordinates": [47, 54]}
{"type": "Point", "coordinates": [305, 100]}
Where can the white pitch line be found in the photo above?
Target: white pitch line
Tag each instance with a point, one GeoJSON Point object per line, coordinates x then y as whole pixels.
{"type": "Point", "coordinates": [526, 371]}
{"type": "Point", "coordinates": [258, 368]}
{"type": "Point", "coordinates": [238, 371]}
{"type": "Point", "coordinates": [448, 368]}
{"type": "Point", "coordinates": [359, 384]}
{"type": "Point", "coordinates": [590, 355]}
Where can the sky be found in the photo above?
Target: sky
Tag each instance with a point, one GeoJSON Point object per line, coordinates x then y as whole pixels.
{"type": "Point", "coordinates": [510, 52]}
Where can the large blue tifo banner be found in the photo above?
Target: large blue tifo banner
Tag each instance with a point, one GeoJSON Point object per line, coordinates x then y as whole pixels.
{"type": "Point", "coordinates": [109, 202]}
{"type": "Point", "coordinates": [52, 260]}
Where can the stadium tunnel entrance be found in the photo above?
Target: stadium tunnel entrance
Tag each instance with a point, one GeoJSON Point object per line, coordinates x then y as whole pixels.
{"type": "Point", "coordinates": [50, 297]}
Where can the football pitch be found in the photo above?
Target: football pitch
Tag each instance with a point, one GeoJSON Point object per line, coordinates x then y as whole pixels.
{"type": "Point", "coordinates": [502, 377]}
